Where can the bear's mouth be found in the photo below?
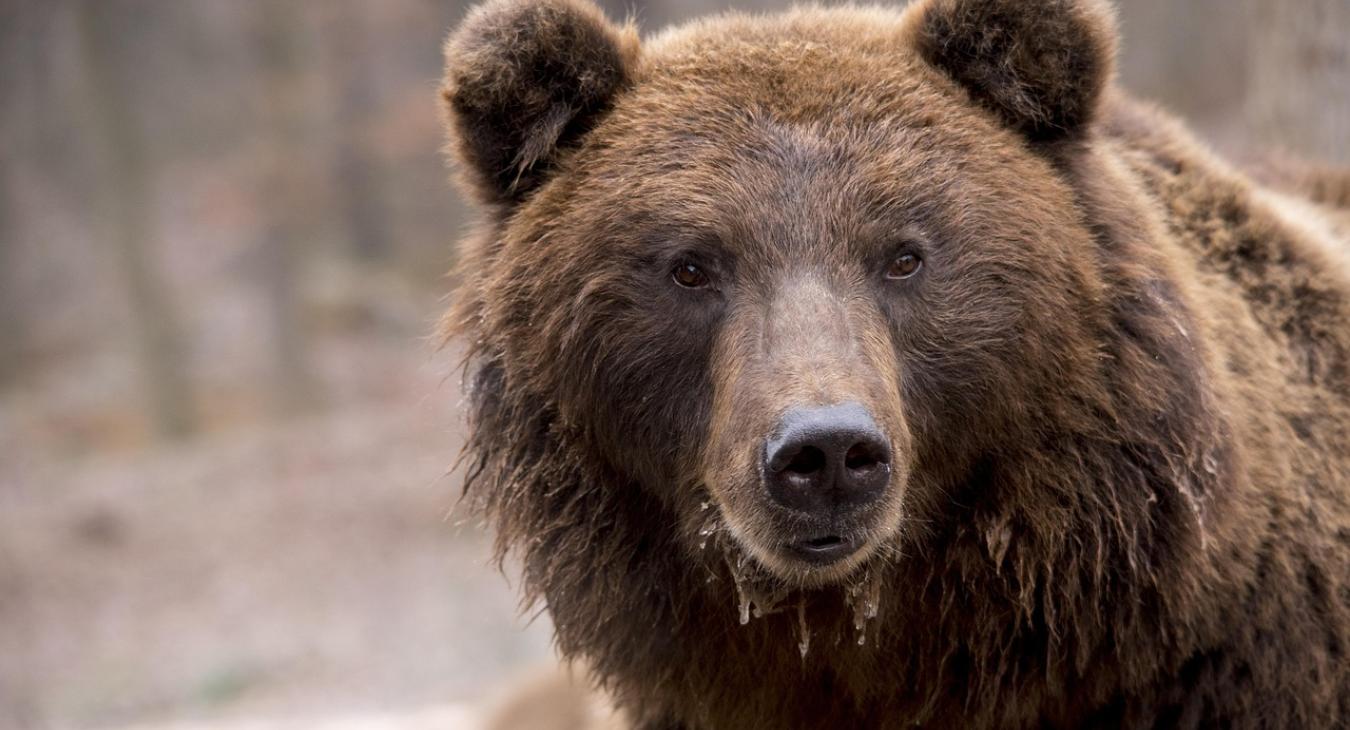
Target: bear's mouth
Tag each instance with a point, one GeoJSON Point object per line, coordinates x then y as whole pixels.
{"type": "Point", "coordinates": [822, 549]}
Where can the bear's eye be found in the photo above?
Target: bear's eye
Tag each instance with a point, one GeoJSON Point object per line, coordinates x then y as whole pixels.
{"type": "Point", "coordinates": [904, 266]}
{"type": "Point", "coordinates": [689, 276]}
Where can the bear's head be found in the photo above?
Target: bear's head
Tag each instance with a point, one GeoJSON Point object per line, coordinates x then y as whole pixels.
{"type": "Point", "coordinates": [785, 288]}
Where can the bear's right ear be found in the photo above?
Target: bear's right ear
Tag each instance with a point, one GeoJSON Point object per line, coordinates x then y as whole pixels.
{"type": "Point", "coordinates": [523, 78]}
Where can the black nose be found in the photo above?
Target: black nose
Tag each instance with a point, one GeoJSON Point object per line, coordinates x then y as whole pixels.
{"type": "Point", "coordinates": [821, 459]}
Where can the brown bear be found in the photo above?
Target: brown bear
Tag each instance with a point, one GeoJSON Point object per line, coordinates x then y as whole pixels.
{"type": "Point", "coordinates": [870, 368]}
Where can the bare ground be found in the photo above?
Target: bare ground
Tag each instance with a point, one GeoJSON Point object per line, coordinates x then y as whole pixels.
{"type": "Point", "coordinates": [293, 572]}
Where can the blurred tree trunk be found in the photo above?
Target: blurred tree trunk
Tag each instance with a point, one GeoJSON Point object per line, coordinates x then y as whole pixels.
{"type": "Point", "coordinates": [1191, 56]}
{"type": "Point", "coordinates": [124, 191]}
{"type": "Point", "coordinates": [654, 15]}
{"type": "Point", "coordinates": [358, 184]}
{"type": "Point", "coordinates": [1300, 84]}
{"type": "Point", "coordinates": [16, 55]}
{"type": "Point", "coordinates": [285, 197]}
{"type": "Point", "coordinates": [11, 129]}
{"type": "Point", "coordinates": [11, 321]}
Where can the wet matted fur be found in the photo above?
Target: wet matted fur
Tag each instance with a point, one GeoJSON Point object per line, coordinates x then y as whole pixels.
{"type": "Point", "coordinates": [1118, 391]}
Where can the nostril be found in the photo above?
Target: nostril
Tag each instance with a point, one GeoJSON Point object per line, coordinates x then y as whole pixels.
{"type": "Point", "coordinates": [862, 456]}
{"type": "Point", "coordinates": [808, 460]}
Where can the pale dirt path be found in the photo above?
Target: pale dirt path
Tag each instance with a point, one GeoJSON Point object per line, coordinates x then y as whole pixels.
{"type": "Point", "coordinates": [301, 573]}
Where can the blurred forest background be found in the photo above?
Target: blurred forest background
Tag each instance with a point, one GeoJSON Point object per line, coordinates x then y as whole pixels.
{"type": "Point", "coordinates": [225, 423]}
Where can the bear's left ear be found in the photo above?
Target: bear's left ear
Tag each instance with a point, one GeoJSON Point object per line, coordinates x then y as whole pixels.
{"type": "Point", "coordinates": [1041, 65]}
{"type": "Point", "coordinates": [523, 78]}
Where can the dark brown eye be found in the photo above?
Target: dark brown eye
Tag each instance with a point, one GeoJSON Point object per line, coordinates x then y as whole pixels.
{"type": "Point", "coordinates": [904, 266]}
{"type": "Point", "coordinates": [689, 276]}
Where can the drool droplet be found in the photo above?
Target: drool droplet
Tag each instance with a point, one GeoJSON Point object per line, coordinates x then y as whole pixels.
{"type": "Point", "coordinates": [803, 632]}
{"type": "Point", "coordinates": [738, 576]}
{"type": "Point", "coordinates": [708, 530]}
{"type": "Point", "coordinates": [866, 600]}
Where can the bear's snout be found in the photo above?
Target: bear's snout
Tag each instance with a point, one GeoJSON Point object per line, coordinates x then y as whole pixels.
{"type": "Point", "coordinates": [808, 449]}
{"type": "Point", "coordinates": [824, 461]}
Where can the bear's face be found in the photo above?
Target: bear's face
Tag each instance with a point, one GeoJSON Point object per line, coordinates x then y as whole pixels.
{"type": "Point", "coordinates": [789, 279]}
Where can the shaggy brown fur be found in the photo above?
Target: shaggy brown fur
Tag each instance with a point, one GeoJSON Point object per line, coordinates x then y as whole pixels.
{"type": "Point", "coordinates": [1117, 392]}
